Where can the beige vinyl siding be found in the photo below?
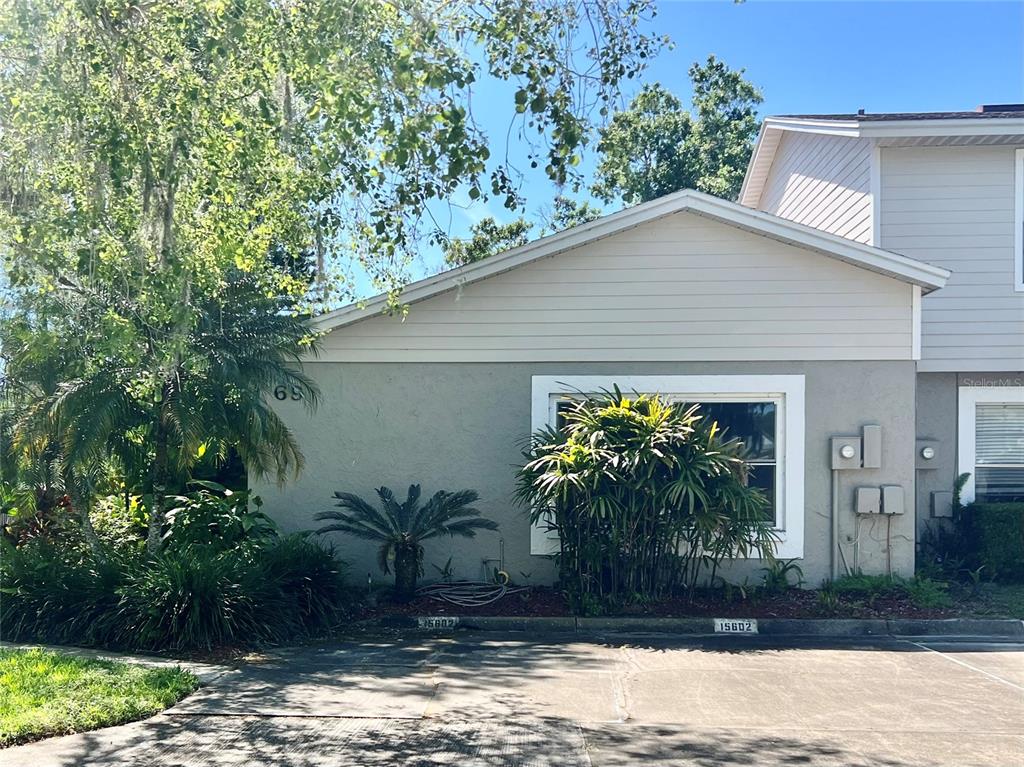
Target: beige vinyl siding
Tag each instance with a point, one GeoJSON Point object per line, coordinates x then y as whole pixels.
{"type": "Point", "coordinates": [683, 287]}
{"type": "Point", "coordinates": [953, 207]}
{"type": "Point", "coordinates": [824, 182]}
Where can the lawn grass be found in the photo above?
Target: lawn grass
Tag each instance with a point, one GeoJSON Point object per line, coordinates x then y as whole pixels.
{"type": "Point", "coordinates": [45, 693]}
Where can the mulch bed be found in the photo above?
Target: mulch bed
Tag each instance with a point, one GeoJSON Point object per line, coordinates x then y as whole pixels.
{"type": "Point", "coordinates": [795, 603]}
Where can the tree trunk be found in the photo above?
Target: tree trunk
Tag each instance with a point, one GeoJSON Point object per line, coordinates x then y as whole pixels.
{"type": "Point", "coordinates": [158, 474]}
{"type": "Point", "coordinates": [83, 505]}
{"type": "Point", "coordinates": [406, 570]}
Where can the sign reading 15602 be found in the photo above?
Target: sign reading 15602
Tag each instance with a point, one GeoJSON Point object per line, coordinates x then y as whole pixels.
{"type": "Point", "coordinates": [283, 392]}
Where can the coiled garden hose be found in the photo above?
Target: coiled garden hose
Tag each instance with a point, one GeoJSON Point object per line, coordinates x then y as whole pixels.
{"type": "Point", "coordinates": [469, 593]}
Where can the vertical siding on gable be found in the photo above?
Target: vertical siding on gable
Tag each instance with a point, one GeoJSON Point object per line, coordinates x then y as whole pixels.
{"type": "Point", "coordinates": [953, 207]}
{"type": "Point", "coordinates": [822, 181]}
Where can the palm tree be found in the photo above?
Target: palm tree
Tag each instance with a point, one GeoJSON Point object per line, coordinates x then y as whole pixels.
{"type": "Point", "coordinates": [168, 393]}
{"type": "Point", "coordinates": [401, 528]}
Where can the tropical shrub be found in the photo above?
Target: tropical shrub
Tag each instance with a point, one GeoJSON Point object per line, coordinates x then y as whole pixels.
{"type": "Point", "coordinates": [645, 495]}
{"type": "Point", "coordinates": [190, 598]}
{"type": "Point", "coordinates": [57, 593]}
{"type": "Point", "coordinates": [120, 520]}
{"type": "Point", "coordinates": [187, 597]}
{"type": "Point", "coordinates": [401, 528]}
{"type": "Point", "coordinates": [981, 541]}
{"type": "Point", "coordinates": [777, 576]}
{"type": "Point", "coordinates": [998, 537]}
{"type": "Point", "coordinates": [217, 517]}
{"type": "Point", "coordinates": [924, 592]}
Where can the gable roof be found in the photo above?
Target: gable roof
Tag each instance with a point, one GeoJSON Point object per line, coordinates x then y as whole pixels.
{"type": "Point", "coordinates": [1000, 124]}
{"type": "Point", "coordinates": [995, 112]}
{"type": "Point", "coordinates": [884, 262]}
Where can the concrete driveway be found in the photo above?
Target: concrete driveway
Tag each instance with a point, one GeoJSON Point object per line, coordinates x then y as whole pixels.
{"type": "Point", "coordinates": [481, 699]}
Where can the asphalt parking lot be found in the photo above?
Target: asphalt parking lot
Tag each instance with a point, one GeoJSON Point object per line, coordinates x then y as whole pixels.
{"type": "Point", "coordinates": [485, 699]}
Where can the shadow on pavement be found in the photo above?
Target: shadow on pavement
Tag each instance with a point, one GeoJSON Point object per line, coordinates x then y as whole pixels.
{"type": "Point", "coordinates": [482, 700]}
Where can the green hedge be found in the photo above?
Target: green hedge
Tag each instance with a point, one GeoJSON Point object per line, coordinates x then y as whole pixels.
{"type": "Point", "coordinates": [187, 598]}
{"type": "Point", "coordinates": [997, 530]}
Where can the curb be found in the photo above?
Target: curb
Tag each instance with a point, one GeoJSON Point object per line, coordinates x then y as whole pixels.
{"type": "Point", "coordinates": [805, 627]}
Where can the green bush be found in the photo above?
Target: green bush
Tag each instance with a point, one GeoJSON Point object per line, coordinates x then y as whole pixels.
{"type": "Point", "coordinates": [310, 579]}
{"type": "Point", "coordinates": [647, 496]}
{"type": "Point", "coordinates": [997, 534]}
{"type": "Point", "coordinates": [187, 597]}
{"type": "Point", "coordinates": [866, 585]}
{"type": "Point", "coordinates": [57, 594]}
{"type": "Point", "coordinates": [925, 593]}
{"type": "Point", "coordinates": [119, 521]}
{"type": "Point", "coordinates": [216, 517]}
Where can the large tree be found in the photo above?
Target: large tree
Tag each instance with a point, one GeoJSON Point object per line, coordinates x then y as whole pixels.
{"type": "Point", "coordinates": [487, 238]}
{"type": "Point", "coordinates": [91, 391]}
{"type": "Point", "coordinates": [656, 146]}
{"type": "Point", "coordinates": [171, 173]}
{"type": "Point", "coordinates": [173, 141]}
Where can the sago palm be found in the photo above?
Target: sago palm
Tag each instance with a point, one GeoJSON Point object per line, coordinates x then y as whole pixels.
{"type": "Point", "coordinates": [401, 528]}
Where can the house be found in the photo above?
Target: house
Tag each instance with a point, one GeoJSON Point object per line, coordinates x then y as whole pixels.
{"type": "Point", "coordinates": [946, 188]}
{"type": "Point", "coordinates": [689, 296]}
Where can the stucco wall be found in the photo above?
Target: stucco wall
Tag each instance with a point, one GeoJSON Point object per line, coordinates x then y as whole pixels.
{"type": "Point", "coordinates": [936, 420]}
{"type": "Point", "coordinates": [938, 401]}
{"type": "Point", "coordinates": [462, 425]}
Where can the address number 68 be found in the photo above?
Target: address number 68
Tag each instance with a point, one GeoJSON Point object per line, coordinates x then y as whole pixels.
{"type": "Point", "coordinates": [282, 392]}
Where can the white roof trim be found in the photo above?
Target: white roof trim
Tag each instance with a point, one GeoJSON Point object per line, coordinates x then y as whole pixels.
{"type": "Point", "coordinates": [884, 262]}
{"type": "Point", "coordinates": [772, 128]}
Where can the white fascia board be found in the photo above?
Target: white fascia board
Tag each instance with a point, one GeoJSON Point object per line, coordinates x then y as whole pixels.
{"type": "Point", "coordinates": [1018, 220]}
{"type": "Point", "coordinates": [961, 126]}
{"type": "Point", "coordinates": [984, 126]}
{"type": "Point", "coordinates": [904, 268]}
{"type": "Point", "coordinates": [915, 322]}
{"type": "Point", "coordinates": [750, 193]}
{"type": "Point", "coordinates": [764, 152]}
{"type": "Point", "coordinates": [825, 127]}
{"type": "Point", "coordinates": [910, 270]}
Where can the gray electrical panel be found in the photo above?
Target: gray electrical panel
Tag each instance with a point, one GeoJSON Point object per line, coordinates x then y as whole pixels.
{"type": "Point", "coordinates": [942, 504]}
{"type": "Point", "coordinates": [846, 452]}
{"type": "Point", "coordinates": [869, 500]}
{"type": "Point", "coordinates": [872, 447]}
{"type": "Point", "coordinates": [892, 499]}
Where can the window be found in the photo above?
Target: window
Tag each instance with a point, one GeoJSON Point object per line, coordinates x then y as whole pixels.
{"type": "Point", "coordinates": [1018, 221]}
{"type": "Point", "coordinates": [991, 442]}
{"type": "Point", "coordinates": [766, 412]}
{"type": "Point", "coordinates": [754, 422]}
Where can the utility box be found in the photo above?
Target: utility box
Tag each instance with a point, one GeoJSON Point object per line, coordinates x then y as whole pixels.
{"type": "Point", "coordinates": [872, 449]}
{"type": "Point", "coordinates": [942, 504]}
{"type": "Point", "coordinates": [868, 500]}
{"type": "Point", "coordinates": [846, 452]}
{"type": "Point", "coordinates": [892, 499]}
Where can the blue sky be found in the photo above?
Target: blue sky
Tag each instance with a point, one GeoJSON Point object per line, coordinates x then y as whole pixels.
{"type": "Point", "coordinates": [810, 57]}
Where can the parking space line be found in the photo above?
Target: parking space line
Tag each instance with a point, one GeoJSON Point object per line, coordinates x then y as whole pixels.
{"type": "Point", "coordinates": [965, 664]}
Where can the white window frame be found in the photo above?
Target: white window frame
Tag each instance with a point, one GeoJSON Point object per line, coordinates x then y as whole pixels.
{"type": "Point", "coordinates": [968, 398]}
{"type": "Point", "coordinates": [1018, 220]}
{"type": "Point", "coordinates": [787, 391]}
